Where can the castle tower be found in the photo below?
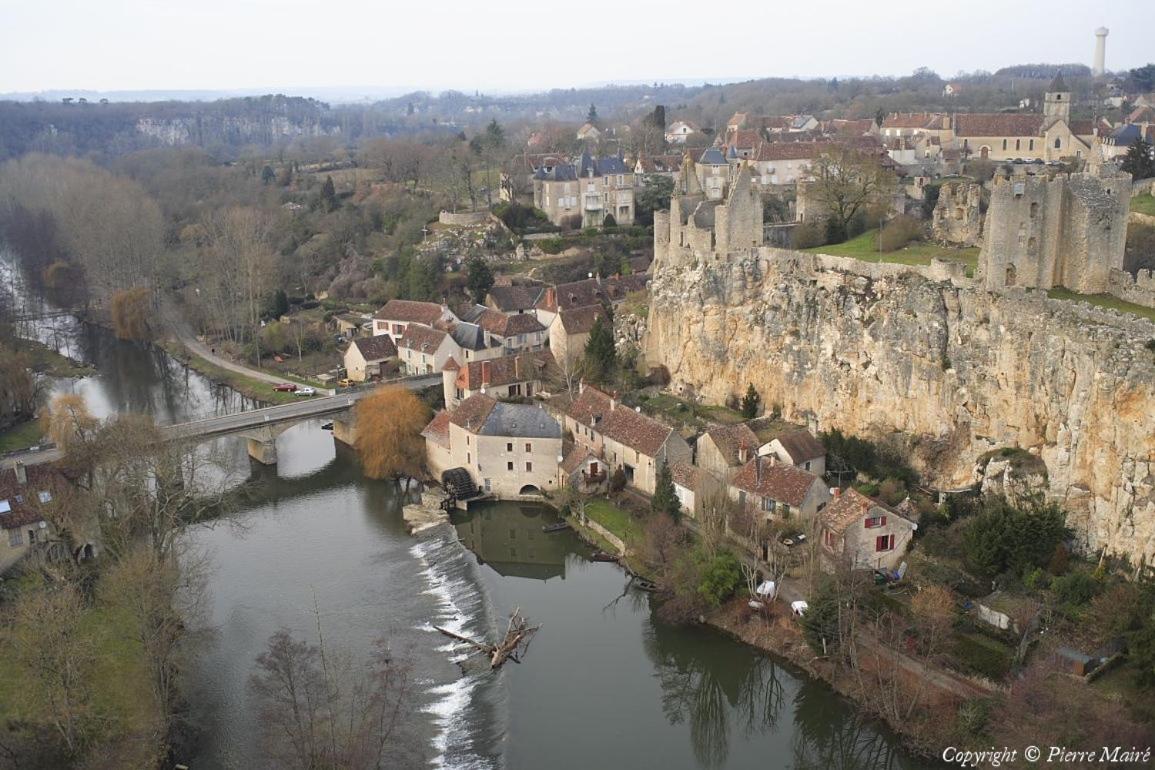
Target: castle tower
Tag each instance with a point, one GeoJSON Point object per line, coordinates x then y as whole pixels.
{"type": "Point", "coordinates": [1057, 101]}
{"type": "Point", "coordinates": [1100, 65]}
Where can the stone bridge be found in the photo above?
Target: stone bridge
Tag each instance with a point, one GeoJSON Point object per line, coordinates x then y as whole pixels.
{"type": "Point", "coordinates": [260, 427]}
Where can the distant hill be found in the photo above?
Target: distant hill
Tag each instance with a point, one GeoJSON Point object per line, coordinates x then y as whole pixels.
{"type": "Point", "coordinates": [1044, 71]}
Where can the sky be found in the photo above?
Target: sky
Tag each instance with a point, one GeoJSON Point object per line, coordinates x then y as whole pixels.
{"type": "Point", "coordinates": [520, 45]}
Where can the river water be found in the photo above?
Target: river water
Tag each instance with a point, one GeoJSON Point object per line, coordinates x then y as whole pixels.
{"type": "Point", "coordinates": [604, 685]}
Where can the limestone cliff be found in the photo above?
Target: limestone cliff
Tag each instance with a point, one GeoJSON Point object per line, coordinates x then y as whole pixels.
{"type": "Point", "coordinates": [948, 369]}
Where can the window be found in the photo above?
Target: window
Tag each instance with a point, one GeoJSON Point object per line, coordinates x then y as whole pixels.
{"type": "Point", "coordinates": [528, 447]}
{"type": "Point", "coordinates": [467, 439]}
{"type": "Point", "coordinates": [31, 537]}
{"type": "Point", "coordinates": [875, 521]}
{"type": "Point", "coordinates": [509, 465]}
{"type": "Point", "coordinates": [1004, 144]}
{"type": "Point", "coordinates": [1030, 144]}
{"type": "Point", "coordinates": [15, 538]}
{"type": "Point", "coordinates": [884, 543]}
{"type": "Point", "coordinates": [509, 446]}
{"type": "Point", "coordinates": [5, 506]}
{"type": "Point", "coordinates": [1018, 144]}
{"type": "Point", "coordinates": [768, 504]}
{"type": "Point", "coordinates": [806, 465]}
{"type": "Point", "coordinates": [1058, 142]}
{"type": "Point", "coordinates": [1034, 210]}
{"type": "Point", "coordinates": [529, 467]}
{"type": "Point", "coordinates": [488, 485]}
{"type": "Point", "coordinates": [468, 459]}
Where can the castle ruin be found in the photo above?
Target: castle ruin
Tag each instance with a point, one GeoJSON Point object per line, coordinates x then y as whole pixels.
{"type": "Point", "coordinates": [1046, 230]}
{"type": "Point", "coordinates": [699, 228]}
{"type": "Point", "coordinates": [958, 218]}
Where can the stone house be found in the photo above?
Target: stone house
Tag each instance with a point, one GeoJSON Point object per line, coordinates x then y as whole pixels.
{"type": "Point", "coordinates": [24, 494]}
{"type": "Point", "coordinates": [509, 332]}
{"type": "Point", "coordinates": [798, 448]}
{"type": "Point", "coordinates": [778, 491]}
{"type": "Point", "coordinates": [582, 470]}
{"type": "Point", "coordinates": [864, 532]}
{"type": "Point", "coordinates": [397, 314]}
{"type": "Point", "coordinates": [723, 449]}
{"type": "Point", "coordinates": [522, 375]}
{"type": "Point", "coordinates": [660, 165]}
{"type": "Point", "coordinates": [511, 451]}
{"type": "Point", "coordinates": [424, 350]}
{"type": "Point", "coordinates": [693, 486]}
{"type": "Point", "coordinates": [593, 188]}
{"type": "Point", "coordinates": [713, 171]}
{"type": "Point", "coordinates": [350, 325]}
{"type": "Point", "coordinates": [366, 356]}
{"type": "Point", "coordinates": [624, 438]}
{"type": "Point", "coordinates": [570, 331]}
{"type": "Point", "coordinates": [515, 298]}
{"type": "Point", "coordinates": [679, 131]}
{"type": "Point", "coordinates": [783, 163]}
{"type": "Point", "coordinates": [588, 133]}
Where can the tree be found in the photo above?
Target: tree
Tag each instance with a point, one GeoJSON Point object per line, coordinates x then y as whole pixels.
{"type": "Point", "coordinates": [131, 311]}
{"type": "Point", "coordinates": [721, 577]}
{"type": "Point", "coordinates": [70, 426]}
{"type": "Point", "coordinates": [478, 279]}
{"type": "Point", "coordinates": [655, 194]}
{"type": "Point", "coordinates": [268, 176]}
{"type": "Point", "coordinates": [1005, 537]}
{"type": "Point", "coordinates": [601, 354]}
{"type": "Point", "coordinates": [845, 184]}
{"type": "Point", "coordinates": [750, 402]}
{"type": "Point", "coordinates": [592, 115]}
{"type": "Point", "coordinates": [1141, 79]}
{"type": "Point", "coordinates": [280, 305]}
{"type": "Point", "coordinates": [821, 623]}
{"type": "Point", "coordinates": [389, 424]}
{"type": "Point", "coordinates": [329, 194]}
{"type": "Point", "coordinates": [1140, 160]}
{"type": "Point", "coordinates": [665, 499]}
{"type": "Point", "coordinates": [934, 613]}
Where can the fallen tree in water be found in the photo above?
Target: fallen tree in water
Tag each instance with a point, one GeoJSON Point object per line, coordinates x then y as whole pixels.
{"type": "Point", "coordinates": [512, 646]}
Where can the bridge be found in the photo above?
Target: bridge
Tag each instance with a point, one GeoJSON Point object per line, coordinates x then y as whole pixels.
{"type": "Point", "coordinates": [259, 426]}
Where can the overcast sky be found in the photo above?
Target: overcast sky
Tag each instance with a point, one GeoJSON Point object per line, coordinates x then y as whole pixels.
{"type": "Point", "coordinates": [511, 45]}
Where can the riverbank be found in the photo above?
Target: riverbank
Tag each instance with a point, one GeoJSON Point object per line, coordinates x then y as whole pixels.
{"type": "Point", "coordinates": [249, 387]}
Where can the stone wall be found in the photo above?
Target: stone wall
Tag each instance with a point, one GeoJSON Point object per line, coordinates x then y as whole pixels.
{"type": "Point", "coordinates": [463, 218]}
{"type": "Point", "coordinates": [958, 218]}
{"type": "Point", "coordinates": [1138, 288]}
{"type": "Point", "coordinates": [943, 369]}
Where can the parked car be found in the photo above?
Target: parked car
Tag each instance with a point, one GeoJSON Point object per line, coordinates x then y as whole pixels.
{"type": "Point", "coordinates": [306, 391]}
{"type": "Point", "coordinates": [346, 383]}
{"type": "Point", "coordinates": [285, 387]}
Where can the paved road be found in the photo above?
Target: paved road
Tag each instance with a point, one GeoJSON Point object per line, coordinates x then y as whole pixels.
{"type": "Point", "coordinates": [184, 333]}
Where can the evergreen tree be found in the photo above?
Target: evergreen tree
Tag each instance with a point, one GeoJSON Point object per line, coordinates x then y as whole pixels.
{"type": "Point", "coordinates": [329, 194]}
{"type": "Point", "coordinates": [268, 175]}
{"type": "Point", "coordinates": [592, 115]}
{"type": "Point", "coordinates": [665, 499]}
{"type": "Point", "coordinates": [478, 279]}
{"type": "Point", "coordinates": [601, 355]}
{"type": "Point", "coordinates": [280, 304]}
{"type": "Point", "coordinates": [750, 402]}
{"type": "Point", "coordinates": [494, 135]}
{"type": "Point", "coordinates": [1139, 162]}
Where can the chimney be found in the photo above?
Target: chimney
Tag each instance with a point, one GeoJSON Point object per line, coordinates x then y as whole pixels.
{"type": "Point", "coordinates": [551, 297]}
{"type": "Point", "coordinates": [743, 454]}
{"type": "Point", "coordinates": [613, 403]}
{"type": "Point", "coordinates": [835, 492]}
{"type": "Point", "coordinates": [484, 375]}
{"type": "Point", "coordinates": [21, 473]}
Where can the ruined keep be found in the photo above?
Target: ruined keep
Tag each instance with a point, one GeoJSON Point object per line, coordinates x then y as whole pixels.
{"type": "Point", "coordinates": [1068, 230]}
{"type": "Point", "coordinates": [699, 228]}
{"type": "Point", "coordinates": [958, 218]}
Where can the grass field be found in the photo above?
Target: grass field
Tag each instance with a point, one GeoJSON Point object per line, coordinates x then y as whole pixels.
{"type": "Point", "coordinates": [1105, 301]}
{"type": "Point", "coordinates": [616, 520]}
{"type": "Point", "coordinates": [22, 436]}
{"type": "Point", "coordinates": [1144, 204]}
{"type": "Point", "coordinates": [865, 247]}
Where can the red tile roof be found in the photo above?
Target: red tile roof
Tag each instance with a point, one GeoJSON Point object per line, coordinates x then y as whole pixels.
{"type": "Point", "coordinates": [618, 422]}
{"type": "Point", "coordinates": [580, 320]}
{"type": "Point", "coordinates": [801, 446]}
{"type": "Point", "coordinates": [764, 477]}
{"type": "Point", "coordinates": [472, 412]}
{"type": "Point", "coordinates": [421, 338]}
{"type": "Point", "coordinates": [506, 325]}
{"type": "Point", "coordinates": [376, 348]}
{"type": "Point", "coordinates": [730, 438]}
{"type": "Point", "coordinates": [506, 370]}
{"type": "Point", "coordinates": [23, 501]}
{"type": "Point", "coordinates": [850, 506]}
{"type": "Point", "coordinates": [922, 120]}
{"type": "Point", "coordinates": [771, 151]}
{"type": "Point", "coordinates": [409, 311]}
{"type": "Point", "coordinates": [438, 429]}
{"type": "Point", "coordinates": [997, 124]}
{"type": "Point", "coordinates": [686, 476]}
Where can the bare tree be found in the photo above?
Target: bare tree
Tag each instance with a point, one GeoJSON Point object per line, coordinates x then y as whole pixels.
{"type": "Point", "coordinates": [845, 183]}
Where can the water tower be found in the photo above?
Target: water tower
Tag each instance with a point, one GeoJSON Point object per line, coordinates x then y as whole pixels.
{"type": "Point", "coordinates": [1100, 65]}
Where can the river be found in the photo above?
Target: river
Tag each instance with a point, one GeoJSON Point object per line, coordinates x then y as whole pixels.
{"type": "Point", "coordinates": [605, 684]}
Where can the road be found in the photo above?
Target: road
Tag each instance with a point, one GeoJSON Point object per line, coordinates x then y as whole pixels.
{"type": "Point", "coordinates": [185, 335]}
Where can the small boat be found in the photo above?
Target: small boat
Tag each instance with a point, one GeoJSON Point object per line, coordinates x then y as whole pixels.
{"type": "Point", "coordinates": [557, 526]}
{"type": "Point", "coordinates": [645, 585]}
{"type": "Point", "coordinates": [603, 556]}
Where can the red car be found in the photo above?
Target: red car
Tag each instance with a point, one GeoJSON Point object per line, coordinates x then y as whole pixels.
{"type": "Point", "coordinates": [285, 387]}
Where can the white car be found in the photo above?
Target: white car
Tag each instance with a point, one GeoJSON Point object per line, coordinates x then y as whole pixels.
{"type": "Point", "coordinates": [306, 391]}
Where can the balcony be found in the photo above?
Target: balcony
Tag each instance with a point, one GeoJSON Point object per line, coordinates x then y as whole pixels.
{"type": "Point", "coordinates": [593, 203]}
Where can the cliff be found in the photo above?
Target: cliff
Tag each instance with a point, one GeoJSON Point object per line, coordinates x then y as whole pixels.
{"type": "Point", "coordinates": [930, 361]}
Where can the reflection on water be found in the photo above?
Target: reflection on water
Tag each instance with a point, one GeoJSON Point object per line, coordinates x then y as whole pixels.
{"type": "Point", "coordinates": [514, 545]}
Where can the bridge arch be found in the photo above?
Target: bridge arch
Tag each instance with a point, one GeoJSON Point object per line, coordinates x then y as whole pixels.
{"type": "Point", "coordinates": [529, 489]}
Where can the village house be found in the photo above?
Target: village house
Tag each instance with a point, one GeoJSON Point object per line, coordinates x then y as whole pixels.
{"type": "Point", "coordinates": [397, 314]}
{"type": "Point", "coordinates": [659, 165]}
{"type": "Point", "coordinates": [911, 124]}
{"type": "Point", "coordinates": [624, 438]}
{"type": "Point", "coordinates": [679, 131]}
{"type": "Point", "coordinates": [24, 492]}
{"type": "Point", "coordinates": [778, 491]}
{"type": "Point", "coordinates": [583, 470]}
{"type": "Point", "coordinates": [692, 486]}
{"type": "Point", "coordinates": [522, 375]}
{"type": "Point", "coordinates": [798, 448]}
{"type": "Point", "coordinates": [784, 163]}
{"type": "Point", "coordinates": [514, 298]}
{"type": "Point", "coordinates": [570, 331]}
{"type": "Point", "coordinates": [589, 292]}
{"type": "Point", "coordinates": [588, 133]}
{"type": "Point", "coordinates": [592, 188]}
{"type": "Point", "coordinates": [713, 172]}
{"type": "Point", "coordinates": [510, 333]}
{"type": "Point", "coordinates": [510, 450]}
{"type": "Point", "coordinates": [350, 325]}
{"type": "Point", "coordinates": [723, 449]}
{"type": "Point", "coordinates": [864, 533]}
{"type": "Point", "coordinates": [366, 356]}
{"type": "Point", "coordinates": [424, 350]}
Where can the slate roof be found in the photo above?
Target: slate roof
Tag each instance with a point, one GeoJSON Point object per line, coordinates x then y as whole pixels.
{"type": "Point", "coordinates": [850, 506]}
{"type": "Point", "coordinates": [421, 338]}
{"type": "Point", "coordinates": [712, 156]}
{"type": "Point", "coordinates": [1058, 84]}
{"type": "Point", "coordinates": [506, 370]}
{"type": "Point", "coordinates": [801, 446]}
{"type": "Point", "coordinates": [513, 299]}
{"type": "Point", "coordinates": [468, 335]}
{"type": "Point", "coordinates": [730, 438]}
{"type": "Point", "coordinates": [521, 421]}
{"type": "Point", "coordinates": [616, 421]}
{"type": "Point", "coordinates": [1127, 135]}
{"type": "Point", "coordinates": [997, 124]}
{"type": "Point", "coordinates": [778, 481]}
{"type": "Point", "coordinates": [563, 172]}
{"type": "Point", "coordinates": [409, 311]}
{"type": "Point", "coordinates": [375, 348]}
{"type": "Point", "coordinates": [20, 503]}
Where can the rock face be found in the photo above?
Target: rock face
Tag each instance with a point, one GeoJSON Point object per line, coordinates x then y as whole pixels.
{"type": "Point", "coordinates": [947, 369]}
{"type": "Point", "coordinates": [958, 218]}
